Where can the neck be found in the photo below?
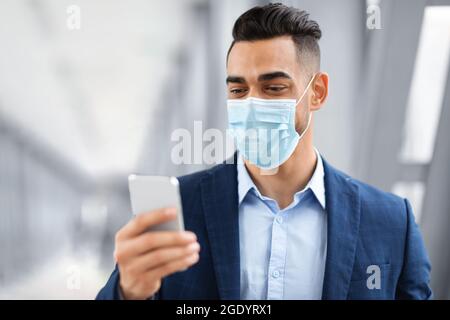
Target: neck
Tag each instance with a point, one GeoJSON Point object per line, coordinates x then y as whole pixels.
{"type": "Point", "coordinates": [289, 178]}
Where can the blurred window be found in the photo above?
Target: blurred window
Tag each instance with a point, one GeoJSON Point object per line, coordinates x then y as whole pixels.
{"type": "Point", "coordinates": [427, 86]}
{"type": "Point", "coordinates": [425, 99]}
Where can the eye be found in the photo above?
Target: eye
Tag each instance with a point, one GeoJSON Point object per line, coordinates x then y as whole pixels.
{"type": "Point", "coordinates": [237, 90]}
{"type": "Point", "coordinates": [276, 89]}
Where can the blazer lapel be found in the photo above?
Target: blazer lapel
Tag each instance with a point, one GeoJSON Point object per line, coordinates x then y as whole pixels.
{"type": "Point", "coordinates": [220, 204]}
{"type": "Point", "coordinates": [343, 214]}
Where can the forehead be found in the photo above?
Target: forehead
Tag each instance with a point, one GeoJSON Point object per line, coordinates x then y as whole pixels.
{"type": "Point", "coordinates": [249, 58]}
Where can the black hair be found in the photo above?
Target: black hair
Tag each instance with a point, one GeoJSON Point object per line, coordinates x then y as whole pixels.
{"type": "Point", "coordinates": [274, 20]}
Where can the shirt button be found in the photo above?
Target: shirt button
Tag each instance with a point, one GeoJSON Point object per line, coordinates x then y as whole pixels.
{"type": "Point", "coordinates": [279, 220]}
{"type": "Point", "coordinates": [276, 274]}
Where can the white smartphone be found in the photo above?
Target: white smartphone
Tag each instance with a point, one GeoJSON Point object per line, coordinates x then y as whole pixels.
{"type": "Point", "coordinates": [148, 193]}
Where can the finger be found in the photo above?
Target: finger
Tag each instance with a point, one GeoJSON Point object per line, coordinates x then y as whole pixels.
{"type": "Point", "coordinates": [160, 257]}
{"type": "Point", "coordinates": [145, 220]}
{"type": "Point", "coordinates": [174, 266]}
{"type": "Point", "coordinates": [153, 240]}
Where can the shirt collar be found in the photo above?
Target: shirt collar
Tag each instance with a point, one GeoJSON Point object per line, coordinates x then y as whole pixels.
{"type": "Point", "coordinates": [316, 183]}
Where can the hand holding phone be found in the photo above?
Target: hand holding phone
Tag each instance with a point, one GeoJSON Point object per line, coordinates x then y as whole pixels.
{"type": "Point", "coordinates": [145, 258]}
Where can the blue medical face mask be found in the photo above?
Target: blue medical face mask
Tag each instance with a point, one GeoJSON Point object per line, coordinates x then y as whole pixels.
{"type": "Point", "coordinates": [264, 129]}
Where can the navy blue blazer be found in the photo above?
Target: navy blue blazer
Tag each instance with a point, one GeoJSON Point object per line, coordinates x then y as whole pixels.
{"type": "Point", "coordinates": [366, 227]}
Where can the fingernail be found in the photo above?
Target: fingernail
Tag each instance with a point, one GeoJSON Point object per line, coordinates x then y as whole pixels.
{"type": "Point", "coordinates": [190, 236]}
{"type": "Point", "coordinates": [194, 246]}
{"type": "Point", "coordinates": [195, 257]}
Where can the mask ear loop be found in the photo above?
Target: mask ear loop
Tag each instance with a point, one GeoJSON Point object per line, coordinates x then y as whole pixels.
{"type": "Point", "coordinates": [310, 113]}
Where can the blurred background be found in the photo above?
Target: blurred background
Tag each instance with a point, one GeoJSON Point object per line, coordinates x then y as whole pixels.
{"type": "Point", "coordinates": [90, 91]}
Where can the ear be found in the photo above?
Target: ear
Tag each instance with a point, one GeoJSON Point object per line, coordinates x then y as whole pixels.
{"type": "Point", "coordinates": [319, 91]}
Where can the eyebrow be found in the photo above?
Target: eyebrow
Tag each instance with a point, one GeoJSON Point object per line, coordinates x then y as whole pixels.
{"type": "Point", "coordinates": [262, 77]}
{"type": "Point", "coordinates": [235, 79]}
{"type": "Point", "coordinates": [273, 75]}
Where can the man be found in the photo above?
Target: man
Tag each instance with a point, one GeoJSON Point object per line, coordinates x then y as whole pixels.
{"type": "Point", "coordinates": [281, 224]}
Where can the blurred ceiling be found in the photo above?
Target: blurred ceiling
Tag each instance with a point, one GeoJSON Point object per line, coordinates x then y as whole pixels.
{"type": "Point", "coordinates": [88, 94]}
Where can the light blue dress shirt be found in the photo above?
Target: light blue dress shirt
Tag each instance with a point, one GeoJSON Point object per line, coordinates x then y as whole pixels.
{"type": "Point", "coordinates": [282, 252]}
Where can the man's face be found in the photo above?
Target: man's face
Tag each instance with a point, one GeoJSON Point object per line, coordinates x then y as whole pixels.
{"type": "Point", "coordinates": [268, 69]}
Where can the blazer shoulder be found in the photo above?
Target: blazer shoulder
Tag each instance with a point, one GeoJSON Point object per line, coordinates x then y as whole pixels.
{"type": "Point", "coordinates": [367, 192]}
{"type": "Point", "coordinates": [378, 206]}
{"type": "Point", "coordinates": [194, 179]}
{"type": "Point", "coordinates": [370, 193]}
{"type": "Point", "coordinates": [381, 206]}
{"type": "Point", "coordinates": [190, 184]}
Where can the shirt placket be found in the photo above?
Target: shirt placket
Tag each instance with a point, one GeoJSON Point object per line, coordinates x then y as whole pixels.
{"type": "Point", "coordinates": [277, 262]}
